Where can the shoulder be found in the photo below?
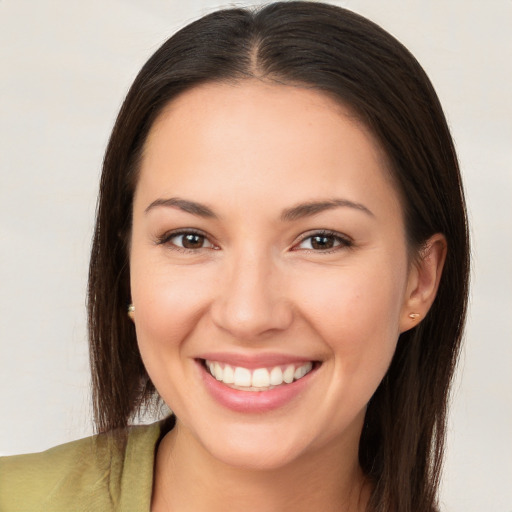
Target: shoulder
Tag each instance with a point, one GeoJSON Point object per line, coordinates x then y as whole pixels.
{"type": "Point", "coordinates": [50, 479]}
{"type": "Point", "coordinates": [83, 475]}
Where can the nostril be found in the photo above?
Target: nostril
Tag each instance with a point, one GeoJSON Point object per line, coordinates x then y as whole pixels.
{"type": "Point", "coordinates": [247, 318]}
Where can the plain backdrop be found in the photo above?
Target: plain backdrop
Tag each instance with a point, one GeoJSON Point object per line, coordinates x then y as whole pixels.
{"type": "Point", "coordinates": [65, 67]}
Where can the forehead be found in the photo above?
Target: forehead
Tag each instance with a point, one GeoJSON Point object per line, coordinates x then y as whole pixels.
{"type": "Point", "coordinates": [253, 138]}
{"type": "Point", "coordinates": [224, 107]}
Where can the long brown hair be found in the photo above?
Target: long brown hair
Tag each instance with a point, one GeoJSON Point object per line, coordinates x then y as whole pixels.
{"type": "Point", "coordinates": [359, 64]}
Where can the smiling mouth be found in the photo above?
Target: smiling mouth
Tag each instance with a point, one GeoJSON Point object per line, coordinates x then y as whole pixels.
{"type": "Point", "coordinates": [258, 379]}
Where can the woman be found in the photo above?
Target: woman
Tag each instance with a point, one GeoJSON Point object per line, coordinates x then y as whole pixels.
{"type": "Point", "coordinates": [281, 253]}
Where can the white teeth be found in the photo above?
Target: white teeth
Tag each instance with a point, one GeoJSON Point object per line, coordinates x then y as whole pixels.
{"type": "Point", "coordinates": [218, 372]}
{"type": "Point", "coordinates": [302, 370]}
{"type": "Point", "coordinates": [288, 374]}
{"type": "Point", "coordinates": [229, 375]}
{"type": "Point", "coordinates": [258, 379]}
{"type": "Point", "coordinates": [276, 376]}
{"type": "Point", "coordinates": [242, 377]}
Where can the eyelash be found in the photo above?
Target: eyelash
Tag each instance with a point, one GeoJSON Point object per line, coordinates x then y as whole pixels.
{"type": "Point", "coordinates": [343, 241]}
{"type": "Point", "coordinates": [167, 237]}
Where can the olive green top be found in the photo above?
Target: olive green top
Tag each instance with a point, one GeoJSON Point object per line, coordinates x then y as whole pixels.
{"type": "Point", "coordinates": [101, 473]}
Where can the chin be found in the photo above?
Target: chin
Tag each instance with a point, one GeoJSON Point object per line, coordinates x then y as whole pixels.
{"type": "Point", "coordinates": [254, 456]}
{"type": "Point", "coordinates": [251, 447]}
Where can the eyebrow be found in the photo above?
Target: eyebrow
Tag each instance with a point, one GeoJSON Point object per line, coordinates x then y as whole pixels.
{"type": "Point", "coordinates": [289, 214]}
{"type": "Point", "coordinates": [192, 207]}
{"type": "Point", "coordinates": [312, 208]}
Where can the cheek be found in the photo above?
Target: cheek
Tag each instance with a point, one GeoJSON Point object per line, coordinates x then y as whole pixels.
{"type": "Point", "coordinates": [168, 305]}
{"type": "Point", "coordinates": [367, 296]}
{"type": "Point", "coordinates": [356, 311]}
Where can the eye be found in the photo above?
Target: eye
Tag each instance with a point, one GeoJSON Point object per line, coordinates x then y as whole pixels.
{"type": "Point", "coordinates": [186, 240]}
{"type": "Point", "coordinates": [323, 241]}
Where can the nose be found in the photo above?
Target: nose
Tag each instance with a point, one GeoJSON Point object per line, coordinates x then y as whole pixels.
{"type": "Point", "coordinates": [251, 300]}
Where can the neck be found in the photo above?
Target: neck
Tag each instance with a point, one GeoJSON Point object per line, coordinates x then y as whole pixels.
{"type": "Point", "coordinates": [187, 478]}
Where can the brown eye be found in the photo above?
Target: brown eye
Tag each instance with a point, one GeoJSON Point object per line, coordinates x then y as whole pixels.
{"type": "Point", "coordinates": [192, 241]}
{"type": "Point", "coordinates": [188, 240]}
{"type": "Point", "coordinates": [323, 242]}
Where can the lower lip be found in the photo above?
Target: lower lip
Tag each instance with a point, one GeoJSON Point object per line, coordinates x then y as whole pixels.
{"type": "Point", "coordinates": [254, 401]}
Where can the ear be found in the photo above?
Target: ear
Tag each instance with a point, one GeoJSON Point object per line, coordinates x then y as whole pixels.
{"type": "Point", "coordinates": [423, 281]}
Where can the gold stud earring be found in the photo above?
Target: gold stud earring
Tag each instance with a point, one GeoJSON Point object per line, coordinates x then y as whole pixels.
{"type": "Point", "coordinates": [414, 316]}
{"type": "Point", "coordinates": [131, 311]}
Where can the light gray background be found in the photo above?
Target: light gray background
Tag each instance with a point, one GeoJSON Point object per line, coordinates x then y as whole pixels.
{"type": "Point", "coordinates": [64, 69]}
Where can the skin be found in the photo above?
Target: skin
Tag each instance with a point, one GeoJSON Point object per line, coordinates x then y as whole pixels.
{"type": "Point", "coordinates": [249, 151]}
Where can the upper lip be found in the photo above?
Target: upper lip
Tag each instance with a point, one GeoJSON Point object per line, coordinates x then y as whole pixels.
{"type": "Point", "coordinates": [263, 360]}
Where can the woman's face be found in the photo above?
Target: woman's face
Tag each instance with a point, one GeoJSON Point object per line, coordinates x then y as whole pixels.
{"type": "Point", "coordinates": [268, 243]}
